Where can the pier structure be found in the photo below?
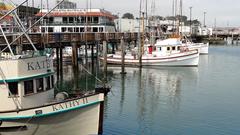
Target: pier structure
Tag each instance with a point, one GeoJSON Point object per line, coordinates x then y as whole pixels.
{"type": "Point", "coordinates": [58, 41]}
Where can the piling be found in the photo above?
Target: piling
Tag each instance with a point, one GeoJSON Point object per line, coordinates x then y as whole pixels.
{"type": "Point", "coordinates": [105, 59]}
{"type": "Point", "coordinates": [61, 62]}
{"type": "Point", "coordinates": [57, 61]}
{"type": "Point", "coordinates": [86, 53]}
{"type": "Point", "coordinates": [74, 54]}
{"type": "Point", "coordinates": [123, 56]}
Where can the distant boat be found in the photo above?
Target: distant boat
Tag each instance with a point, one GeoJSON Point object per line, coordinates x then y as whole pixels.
{"type": "Point", "coordinates": [202, 47]}
{"type": "Point", "coordinates": [168, 52]}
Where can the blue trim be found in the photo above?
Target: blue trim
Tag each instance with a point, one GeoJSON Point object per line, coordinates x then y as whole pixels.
{"type": "Point", "coordinates": [49, 114]}
{"type": "Point", "coordinates": [26, 78]}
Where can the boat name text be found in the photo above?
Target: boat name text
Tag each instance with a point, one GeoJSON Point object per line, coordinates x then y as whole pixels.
{"type": "Point", "coordinates": [69, 104]}
{"type": "Point", "coordinates": [38, 65]}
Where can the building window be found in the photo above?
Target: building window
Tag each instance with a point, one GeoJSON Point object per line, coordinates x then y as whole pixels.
{"type": "Point", "coordinates": [39, 84]}
{"type": "Point", "coordinates": [101, 29]}
{"type": "Point", "coordinates": [43, 29]}
{"type": "Point", "coordinates": [70, 29]}
{"type": "Point", "coordinates": [28, 87]}
{"type": "Point", "coordinates": [95, 29]}
{"type": "Point", "coordinates": [81, 29]}
{"type": "Point", "coordinates": [95, 20]}
{"type": "Point", "coordinates": [83, 19]}
{"type": "Point", "coordinates": [50, 29]}
{"type": "Point", "coordinates": [13, 87]}
{"type": "Point", "coordinates": [89, 19]}
{"type": "Point", "coordinates": [76, 29]}
{"type": "Point", "coordinates": [71, 19]}
{"type": "Point", "coordinates": [78, 19]}
{"type": "Point", "coordinates": [65, 20]}
{"type": "Point", "coordinates": [51, 19]}
{"type": "Point", "coordinates": [64, 29]}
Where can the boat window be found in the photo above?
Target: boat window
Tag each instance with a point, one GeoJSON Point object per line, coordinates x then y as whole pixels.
{"type": "Point", "coordinates": [39, 84]}
{"type": "Point", "coordinates": [160, 48]}
{"type": "Point", "coordinates": [13, 87]}
{"type": "Point", "coordinates": [48, 83]}
{"type": "Point", "coordinates": [168, 48]}
{"type": "Point", "coordinates": [52, 80]}
{"type": "Point", "coordinates": [28, 87]}
{"type": "Point", "coordinates": [178, 48]}
{"type": "Point", "coordinates": [173, 48]}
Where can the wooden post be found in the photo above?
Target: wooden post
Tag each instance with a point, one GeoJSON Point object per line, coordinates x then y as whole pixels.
{"type": "Point", "coordinates": [58, 71]}
{"type": "Point", "coordinates": [61, 62]}
{"type": "Point", "coordinates": [101, 115]}
{"type": "Point", "coordinates": [86, 53]}
{"type": "Point", "coordinates": [123, 56]}
{"type": "Point", "coordinates": [74, 54]}
{"type": "Point", "coordinates": [92, 51]}
{"type": "Point", "coordinates": [142, 42]}
{"type": "Point", "coordinates": [105, 59]}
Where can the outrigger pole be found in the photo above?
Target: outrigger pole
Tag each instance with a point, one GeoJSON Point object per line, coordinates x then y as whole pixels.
{"type": "Point", "coordinates": [13, 10]}
{"type": "Point", "coordinates": [32, 24]}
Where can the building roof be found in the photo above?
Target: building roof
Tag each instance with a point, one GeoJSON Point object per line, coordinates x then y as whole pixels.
{"type": "Point", "coordinates": [76, 12]}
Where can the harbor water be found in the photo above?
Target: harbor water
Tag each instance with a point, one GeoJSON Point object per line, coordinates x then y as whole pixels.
{"type": "Point", "coordinates": [201, 100]}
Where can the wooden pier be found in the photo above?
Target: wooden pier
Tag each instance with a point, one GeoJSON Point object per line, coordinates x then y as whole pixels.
{"type": "Point", "coordinates": [50, 39]}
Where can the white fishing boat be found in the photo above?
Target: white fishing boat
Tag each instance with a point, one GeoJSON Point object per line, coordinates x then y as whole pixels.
{"type": "Point", "coordinates": [28, 102]}
{"type": "Point", "coordinates": [168, 52]}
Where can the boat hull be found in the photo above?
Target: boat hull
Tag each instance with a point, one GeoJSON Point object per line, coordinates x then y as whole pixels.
{"type": "Point", "coordinates": [80, 119]}
{"type": "Point", "coordinates": [190, 59]}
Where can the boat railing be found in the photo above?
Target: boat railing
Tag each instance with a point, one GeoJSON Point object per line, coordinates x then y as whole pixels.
{"type": "Point", "coordinates": [23, 55]}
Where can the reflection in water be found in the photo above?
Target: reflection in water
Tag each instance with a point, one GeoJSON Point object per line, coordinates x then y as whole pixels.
{"type": "Point", "coordinates": [155, 89]}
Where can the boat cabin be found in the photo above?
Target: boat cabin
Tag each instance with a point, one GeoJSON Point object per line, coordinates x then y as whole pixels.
{"type": "Point", "coordinates": [165, 47]}
{"type": "Point", "coordinates": [26, 81]}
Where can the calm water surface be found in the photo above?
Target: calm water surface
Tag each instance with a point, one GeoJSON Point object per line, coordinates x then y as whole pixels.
{"type": "Point", "coordinates": [200, 100]}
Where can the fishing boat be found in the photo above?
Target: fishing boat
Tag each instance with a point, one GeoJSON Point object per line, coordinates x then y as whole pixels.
{"type": "Point", "coordinates": [29, 104]}
{"type": "Point", "coordinates": [202, 47]}
{"type": "Point", "coordinates": [168, 52]}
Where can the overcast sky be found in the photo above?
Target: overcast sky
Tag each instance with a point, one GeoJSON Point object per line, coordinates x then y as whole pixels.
{"type": "Point", "coordinates": [226, 12]}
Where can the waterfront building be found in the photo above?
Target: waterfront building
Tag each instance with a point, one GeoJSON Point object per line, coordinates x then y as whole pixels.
{"type": "Point", "coordinates": [77, 20]}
